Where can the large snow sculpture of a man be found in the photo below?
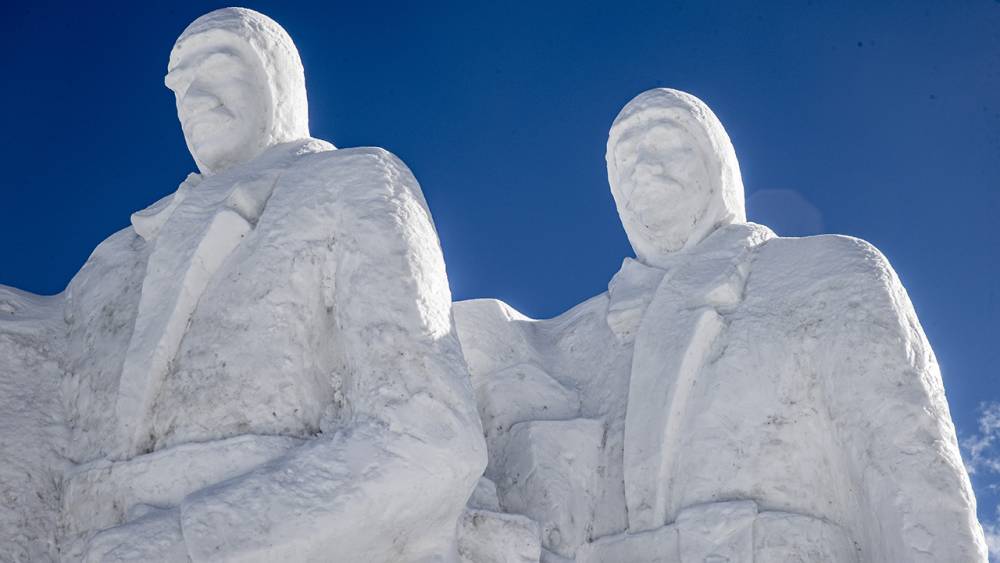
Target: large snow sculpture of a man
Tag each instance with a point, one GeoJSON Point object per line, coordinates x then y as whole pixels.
{"type": "Point", "coordinates": [734, 396]}
{"type": "Point", "coordinates": [264, 367]}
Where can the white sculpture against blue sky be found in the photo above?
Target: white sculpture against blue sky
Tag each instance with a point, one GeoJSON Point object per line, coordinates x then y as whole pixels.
{"type": "Point", "coordinates": [263, 367]}
{"type": "Point", "coordinates": [734, 396]}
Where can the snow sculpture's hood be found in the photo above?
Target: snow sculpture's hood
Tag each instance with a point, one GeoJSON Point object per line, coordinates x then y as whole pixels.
{"type": "Point", "coordinates": [253, 35]}
{"type": "Point", "coordinates": [673, 173]}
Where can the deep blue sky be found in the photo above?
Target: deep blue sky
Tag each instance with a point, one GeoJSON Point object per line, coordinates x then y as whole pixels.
{"type": "Point", "coordinates": [874, 119]}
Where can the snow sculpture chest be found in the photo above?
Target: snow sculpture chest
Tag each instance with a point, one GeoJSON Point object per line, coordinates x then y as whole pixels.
{"type": "Point", "coordinates": [675, 342]}
{"type": "Point", "coordinates": [721, 399]}
{"type": "Point", "coordinates": [222, 316]}
{"type": "Point", "coordinates": [189, 246]}
{"type": "Point", "coordinates": [219, 345]}
{"type": "Point", "coordinates": [244, 290]}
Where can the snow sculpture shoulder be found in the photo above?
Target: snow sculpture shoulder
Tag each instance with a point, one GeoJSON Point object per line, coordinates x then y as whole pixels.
{"type": "Point", "coordinates": [733, 396]}
{"type": "Point", "coordinates": [264, 366]}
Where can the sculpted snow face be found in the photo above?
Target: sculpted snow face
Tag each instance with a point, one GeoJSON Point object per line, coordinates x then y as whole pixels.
{"type": "Point", "coordinates": [239, 85]}
{"type": "Point", "coordinates": [734, 396]}
{"type": "Point", "coordinates": [673, 173]}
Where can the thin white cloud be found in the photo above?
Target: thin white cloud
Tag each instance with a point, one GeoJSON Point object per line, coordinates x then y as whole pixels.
{"type": "Point", "coordinates": [982, 459]}
{"type": "Point", "coordinates": [992, 531]}
{"type": "Point", "coordinates": [983, 448]}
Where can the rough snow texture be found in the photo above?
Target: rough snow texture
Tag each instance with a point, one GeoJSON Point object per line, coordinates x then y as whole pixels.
{"type": "Point", "coordinates": [488, 535]}
{"type": "Point", "coordinates": [239, 85]}
{"type": "Point", "coordinates": [734, 396]}
{"type": "Point", "coordinates": [262, 368]}
{"type": "Point", "coordinates": [673, 172]}
{"type": "Point", "coordinates": [31, 425]}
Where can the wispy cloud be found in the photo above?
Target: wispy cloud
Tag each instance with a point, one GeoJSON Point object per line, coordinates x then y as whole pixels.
{"type": "Point", "coordinates": [982, 459]}
{"type": "Point", "coordinates": [992, 531]}
{"type": "Point", "coordinates": [983, 448]}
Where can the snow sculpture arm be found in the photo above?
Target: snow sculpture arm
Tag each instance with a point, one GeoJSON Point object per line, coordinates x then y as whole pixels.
{"type": "Point", "coordinates": [408, 449]}
{"type": "Point", "coordinates": [889, 411]}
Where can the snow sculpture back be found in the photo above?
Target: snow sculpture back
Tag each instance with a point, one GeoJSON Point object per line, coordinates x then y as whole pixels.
{"type": "Point", "coordinates": [734, 396]}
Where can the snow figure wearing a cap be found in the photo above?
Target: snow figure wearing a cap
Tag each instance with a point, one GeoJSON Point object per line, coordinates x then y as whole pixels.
{"type": "Point", "coordinates": [734, 396]}
{"type": "Point", "coordinates": [264, 366]}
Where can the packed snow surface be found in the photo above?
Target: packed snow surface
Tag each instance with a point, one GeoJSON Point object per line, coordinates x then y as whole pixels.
{"type": "Point", "coordinates": [263, 367]}
{"type": "Point", "coordinates": [733, 396]}
{"type": "Point", "coordinates": [266, 366]}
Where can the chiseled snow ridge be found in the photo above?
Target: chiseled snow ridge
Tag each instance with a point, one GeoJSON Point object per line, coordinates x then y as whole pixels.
{"type": "Point", "coordinates": [734, 396]}
{"type": "Point", "coordinates": [32, 430]}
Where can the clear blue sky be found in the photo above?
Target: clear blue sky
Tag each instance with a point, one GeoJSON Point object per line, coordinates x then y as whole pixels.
{"type": "Point", "coordinates": [874, 119]}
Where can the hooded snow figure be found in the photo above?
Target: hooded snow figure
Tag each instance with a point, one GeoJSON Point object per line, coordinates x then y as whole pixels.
{"type": "Point", "coordinates": [240, 87]}
{"type": "Point", "coordinates": [264, 366]}
{"type": "Point", "coordinates": [734, 396]}
{"type": "Point", "coordinates": [673, 173]}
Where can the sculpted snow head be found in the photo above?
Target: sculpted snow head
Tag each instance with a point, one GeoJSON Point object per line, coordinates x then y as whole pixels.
{"type": "Point", "coordinates": [673, 173]}
{"type": "Point", "coordinates": [239, 85]}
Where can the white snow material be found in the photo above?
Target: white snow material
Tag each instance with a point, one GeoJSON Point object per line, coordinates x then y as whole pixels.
{"type": "Point", "coordinates": [721, 531]}
{"type": "Point", "coordinates": [103, 493]}
{"type": "Point", "coordinates": [733, 531]}
{"type": "Point", "coordinates": [672, 347]}
{"type": "Point", "coordinates": [484, 496]}
{"type": "Point", "coordinates": [264, 367]}
{"type": "Point", "coordinates": [225, 125]}
{"type": "Point", "coordinates": [654, 546]}
{"type": "Point", "coordinates": [630, 292]}
{"type": "Point", "coordinates": [188, 249]}
{"type": "Point", "coordinates": [521, 393]}
{"type": "Point", "coordinates": [783, 536]}
{"type": "Point", "coordinates": [556, 461]}
{"type": "Point", "coordinates": [331, 317]}
{"type": "Point", "coordinates": [494, 337]}
{"type": "Point", "coordinates": [32, 428]}
{"type": "Point", "coordinates": [147, 222]}
{"type": "Point", "coordinates": [763, 398]}
{"type": "Point", "coordinates": [486, 536]}
{"type": "Point", "coordinates": [175, 280]}
{"type": "Point", "coordinates": [673, 173]}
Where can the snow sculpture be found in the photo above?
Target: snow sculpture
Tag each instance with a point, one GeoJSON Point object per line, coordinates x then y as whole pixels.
{"type": "Point", "coordinates": [264, 366]}
{"type": "Point", "coordinates": [31, 424]}
{"type": "Point", "coordinates": [733, 396]}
